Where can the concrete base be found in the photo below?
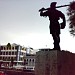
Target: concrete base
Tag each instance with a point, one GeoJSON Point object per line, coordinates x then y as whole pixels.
{"type": "Point", "coordinates": [54, 62]}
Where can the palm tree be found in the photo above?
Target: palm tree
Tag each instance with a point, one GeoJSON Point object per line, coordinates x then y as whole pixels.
{"type": "Point", "coordinates": [71, 15]}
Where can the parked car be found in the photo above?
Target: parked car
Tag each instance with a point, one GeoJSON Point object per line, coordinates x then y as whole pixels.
{"type": "Point", "coordinates": [2, 73]}
{"type": "Point", "coordinates": [28, 69]}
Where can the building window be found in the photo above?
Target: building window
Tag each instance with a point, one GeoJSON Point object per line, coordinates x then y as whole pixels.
{"type": "Point", "coordinates": [15, 58]}
{"type": "Point", "coordinates": [21, 53]}
{"type": "Point", "coordinates": [30, 60]}
{"type": "Point", "coordinates": [7, 48]}
{"type": "Point", "coordinates": [0, 58]}
{"type": "Point", "coordinates": [15, 53]}
{"type": "Point", "coordinates": [3, 58]}
{"type": "Point", "coordinates": [3, 53]}
{"type": "Point", "coordinates": [6, 53]}
{"type": "Point", "coordinates": [12, 48]}
{"type": "Point", "coordinates": [9, 53]}
{"type": "Point", "coordinates": [12, 53]}
{"type": "Point", "coordinates": [33, 60]}
{"type": "Point", "coordinates": [8, 58]}
{"type": "Point", "coordinates": [1, 47]}
{"type": "Point", "coordinates": [27, 60]}
{"type": "Point", "coordinates": [4, 48]}
{"type": "Point", "coordinates": [21, 59]}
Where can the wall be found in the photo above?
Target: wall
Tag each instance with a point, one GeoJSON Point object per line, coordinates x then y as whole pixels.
{"type": "Point", "coordinates": [54, 62]}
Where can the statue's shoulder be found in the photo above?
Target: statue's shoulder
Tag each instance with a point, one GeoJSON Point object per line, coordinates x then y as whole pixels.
{"type": "Point", "coordinates": [59, 12]}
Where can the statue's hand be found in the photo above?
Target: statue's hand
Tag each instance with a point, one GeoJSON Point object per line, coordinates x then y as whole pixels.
{"type": "Point", "coordinates": [42, 9]}
{"type": "Point", "coordinates": [62, 25]}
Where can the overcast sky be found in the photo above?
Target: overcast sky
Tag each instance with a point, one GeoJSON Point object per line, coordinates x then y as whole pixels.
{"type": "Point", "coordinates": [21, 23]}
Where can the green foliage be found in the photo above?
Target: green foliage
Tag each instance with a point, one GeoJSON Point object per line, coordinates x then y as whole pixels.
{"type": "Point", "coordinates": [71, 15]}
{"type": "Point", "coordinates": [9, 45]}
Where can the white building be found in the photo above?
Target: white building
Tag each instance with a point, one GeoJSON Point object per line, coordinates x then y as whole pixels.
{"type": "Point", "coordinates": [30, 61]}
{"type": "Point", "coordinates": [18, 55]}
{"type": "Point", "coordinates": [12, 53]}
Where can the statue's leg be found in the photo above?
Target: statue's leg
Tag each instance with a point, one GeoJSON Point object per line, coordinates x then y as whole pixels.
{"type": "Point", "coordinates": [56, 38]}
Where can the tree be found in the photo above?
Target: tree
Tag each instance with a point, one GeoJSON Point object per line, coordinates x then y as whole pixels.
{"type": "Point", "coordinates": [71, 15]}
{"type": "Point", "coordinates": [9, 46]}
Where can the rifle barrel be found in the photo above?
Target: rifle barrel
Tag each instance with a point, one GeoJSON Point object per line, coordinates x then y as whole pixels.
{"type": "Point", "coordinates": [56, 7]}
{"type": "Point", "coordinates": [62, 6]}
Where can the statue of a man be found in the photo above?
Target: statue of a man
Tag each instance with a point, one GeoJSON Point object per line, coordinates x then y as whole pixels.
{"type": "Point", "coordinates": [54, 15]}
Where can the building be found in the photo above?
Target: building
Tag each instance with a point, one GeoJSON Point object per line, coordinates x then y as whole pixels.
{"type": "Point", "coordinates": [30, 61]}
{"type": "Point", "coordinates": [12, 53]}
{"type": "Point", "coordinates": [17, 56]}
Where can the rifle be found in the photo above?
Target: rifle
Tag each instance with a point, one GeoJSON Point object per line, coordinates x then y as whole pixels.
{"type": "Point", "coordinates": [43, 9]}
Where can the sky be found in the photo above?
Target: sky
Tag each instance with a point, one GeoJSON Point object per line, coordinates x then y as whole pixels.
{"type": "Point", "coordinates": [21, 23]}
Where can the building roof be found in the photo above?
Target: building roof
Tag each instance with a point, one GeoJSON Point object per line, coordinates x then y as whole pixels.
{"type": "Point", "coordinates": [30, 54]}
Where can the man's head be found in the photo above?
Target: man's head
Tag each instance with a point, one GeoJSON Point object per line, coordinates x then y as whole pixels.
{"type": "Point", "coordinates": [53, 4]}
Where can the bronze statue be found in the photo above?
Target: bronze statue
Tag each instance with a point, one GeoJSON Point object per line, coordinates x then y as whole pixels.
{"type": "Point", "coordinates": [54, 15]}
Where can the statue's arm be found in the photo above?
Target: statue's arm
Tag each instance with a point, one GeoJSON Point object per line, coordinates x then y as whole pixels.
{"type": "Point", "coordinates": [63, 24]}
{"type": "Point", "coordinates": [43, 13]}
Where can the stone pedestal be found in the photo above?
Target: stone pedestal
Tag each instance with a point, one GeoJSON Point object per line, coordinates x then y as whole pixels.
{"type": "Point", "coordinates": [54, 62]}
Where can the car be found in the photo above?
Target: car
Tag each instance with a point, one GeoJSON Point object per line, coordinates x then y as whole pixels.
{"type": "Point", "coordinates": [2, 73]}
{"type": "Point", "coordinates": [28, 69]}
